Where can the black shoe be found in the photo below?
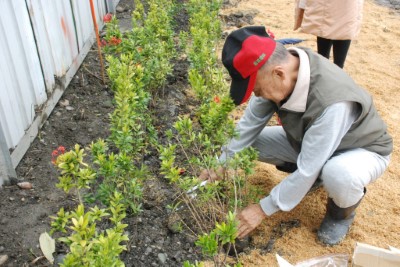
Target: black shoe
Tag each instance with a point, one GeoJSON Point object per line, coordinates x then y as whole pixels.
{"type": "Point", "coordinates": [332, 232]}
{"type": "Point", "coordinates": [336, 223]}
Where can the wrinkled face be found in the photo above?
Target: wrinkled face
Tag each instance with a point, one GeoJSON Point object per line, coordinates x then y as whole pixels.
{"type": "Point", "coordinates": [269, 85]}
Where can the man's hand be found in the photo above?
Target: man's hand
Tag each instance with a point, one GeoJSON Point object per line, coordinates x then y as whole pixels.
{"type": "Point", "coordinates": [249, 219]}
{"type": "Point", "coordinates": [211, 175]}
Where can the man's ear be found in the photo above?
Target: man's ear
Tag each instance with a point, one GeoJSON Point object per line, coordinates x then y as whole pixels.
{"type": "Point", "coordinates": [280, 72]}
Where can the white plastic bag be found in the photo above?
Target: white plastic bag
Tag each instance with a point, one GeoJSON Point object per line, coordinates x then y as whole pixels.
{"type": "Point", "coordinates": [333, 260]}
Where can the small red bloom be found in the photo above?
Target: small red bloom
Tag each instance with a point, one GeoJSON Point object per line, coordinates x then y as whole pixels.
{"type": "Point", "coordinates": [181, 171]}
{"type": "Point", "coordinates": [103, 42]}
{"type": "Point", "coordinates": [54, 156]}
{"type": "Point", "coordinates": [107, 17]}
{"type": "Point", "coordinates": [217, 99]}
{"type": "Point", "coordinates": [115, 41]}
{"type": "Point", "coordinates": [56, 152]}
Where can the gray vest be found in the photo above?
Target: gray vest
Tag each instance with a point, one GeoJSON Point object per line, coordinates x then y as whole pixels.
{"type": "Point", "coordinates": [328, 85]}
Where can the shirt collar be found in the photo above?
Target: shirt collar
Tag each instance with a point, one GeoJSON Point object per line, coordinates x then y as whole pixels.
{"type": "Point", "coordinates": [298, 99]}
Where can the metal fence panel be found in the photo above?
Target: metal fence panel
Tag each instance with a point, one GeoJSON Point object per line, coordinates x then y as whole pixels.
{"type": "Point", "coordinates": [21, 80]}
{"type": "Point", "coordinates": [111, 5]}
{"type": "Point", "coordinates": [83, 19]}
{"type": "Point", "coordinates": [55, 36]}
{"type": "Point", "coordinates": [43, 44]}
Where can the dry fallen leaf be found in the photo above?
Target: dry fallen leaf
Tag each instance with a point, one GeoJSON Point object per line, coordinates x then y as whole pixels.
{"type": "Point", "coordinates": [48, 246]}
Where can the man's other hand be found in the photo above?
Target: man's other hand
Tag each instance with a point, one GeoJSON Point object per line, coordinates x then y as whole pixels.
{"type": "Point", "coordinates": [249, 219]}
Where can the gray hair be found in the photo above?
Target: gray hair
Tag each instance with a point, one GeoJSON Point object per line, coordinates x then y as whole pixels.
{"type": "Point", "coordinates": [280, 55]}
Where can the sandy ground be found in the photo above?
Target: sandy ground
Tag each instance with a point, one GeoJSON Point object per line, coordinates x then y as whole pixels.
{"type": "Point", "coordinates": [374, 63]}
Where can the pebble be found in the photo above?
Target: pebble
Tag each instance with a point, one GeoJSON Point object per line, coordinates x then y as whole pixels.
{"type": "Point", "coordinates": [3, 259]}
{"type": "Point", "coordinates": [25, 185]}
{"type": "Point", "coordinates": [2, 249]}
{"type": "Point", "coordinates": [148, 251]}
{"type": "Point", "coordinates": [107, 104]}
{"type": "Point", "coordinates": [121, 9]}
{"type": "Point", "coordinates": [162, 257]}
{"type": "Point", "coordinates": [177, 256]}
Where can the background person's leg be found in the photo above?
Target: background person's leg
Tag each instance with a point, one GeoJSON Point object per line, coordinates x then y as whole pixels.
{"type": "Point", "coordinates": [345, 175]}
{"type": "Point", "coordinates": [273, 146]}
{"type": "Point", "coordinates": [340, 49]}
{"type": "Point", "coordinates": [324, 46]}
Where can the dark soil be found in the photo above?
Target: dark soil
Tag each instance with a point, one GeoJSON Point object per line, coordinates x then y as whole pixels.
{"type": "Point", "coordinates": [80, 117]}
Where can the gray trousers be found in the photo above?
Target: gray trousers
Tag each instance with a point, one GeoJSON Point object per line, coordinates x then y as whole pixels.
{"type": "Point", "coordinates": [344, 175]}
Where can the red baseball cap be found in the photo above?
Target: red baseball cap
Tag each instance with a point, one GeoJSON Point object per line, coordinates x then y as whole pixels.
{"type": "Point", "coordinates": [244, 52]}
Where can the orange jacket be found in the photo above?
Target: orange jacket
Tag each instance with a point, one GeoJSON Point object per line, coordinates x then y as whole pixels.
{"type": "Point", "coordinates": [331, 19]}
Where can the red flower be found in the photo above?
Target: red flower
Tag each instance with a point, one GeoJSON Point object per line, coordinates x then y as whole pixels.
{"type": "Point", "coordinates": [181, 171]}
{"type": "Point", "coordinates": [103, 42]}
{"type": "Point", "coordinates": [54, 156]}
{"type": "Point", "coordinates": [107, 17]}
{"type": "Point", "coordinates": [217, 99]}
{"type": "Point", "coordinates": [115, 41]}
{"type": "Point", "coordinates": [271, 34]}
{"type": "Point", "coordinates": [56, 152]}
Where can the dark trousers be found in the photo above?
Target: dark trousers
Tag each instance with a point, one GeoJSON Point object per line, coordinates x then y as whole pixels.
{"type": "Point", "coordinates": [340, 49]}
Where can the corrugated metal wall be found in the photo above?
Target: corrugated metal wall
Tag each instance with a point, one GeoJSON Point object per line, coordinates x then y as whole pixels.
{"type": "Point", "coordinates": [43, 44]}
{"type": "Point", "coordinates": [21, 80]}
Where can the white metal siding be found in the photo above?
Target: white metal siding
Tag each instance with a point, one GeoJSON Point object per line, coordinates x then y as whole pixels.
{"type": "Point", "coordinates": [111, 5]}
{"type": "Point", "coordinates": [43, 44]}
{"type": "Point", "coordinates": [83, 19]}
{"type": "Point", "coordinates": [55, 36]}
{"type": "Point", "coordinates": [21, 80]}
